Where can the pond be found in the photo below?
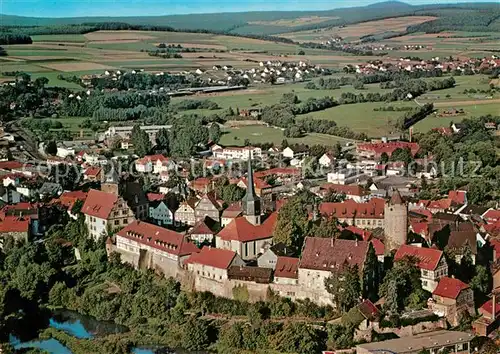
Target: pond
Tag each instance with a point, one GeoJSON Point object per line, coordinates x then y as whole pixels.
{"type": "Point", "coordinates": [83, 327]}
{"type": "Point", "coordinates": [52, 346]}
{"type": "Point", "coordinates": [73, 323]}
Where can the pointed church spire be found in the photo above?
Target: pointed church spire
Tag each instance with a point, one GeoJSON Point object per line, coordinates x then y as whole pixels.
{"type": "Point", "coordinates": [250, 195]}
{"type": "Point", "coordinates": [251, 202]}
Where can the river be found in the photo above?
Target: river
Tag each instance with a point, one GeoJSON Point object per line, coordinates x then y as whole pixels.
{"type": "Point", "coordinates": [76, 325]}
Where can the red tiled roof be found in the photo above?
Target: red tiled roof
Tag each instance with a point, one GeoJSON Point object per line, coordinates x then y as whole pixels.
{"type": "Point", "coordinates": [214, 163]}
{"type": "Point", "coordinates": [443, 130]}
{"type": "Point", "coordinates": [496, 247]}
{"type": "Point", "coordinates": [279, 171]}
{"type": "Point", "coordinates": [459, 239]}
{"type": "Point", "coordinates": [378, 246]}
{"type": "Point", "coordinates": [151, 158]}
{"type": "Point", "coordinates": [449, 287]}
{"type": "Point", "coordinates": [154, 197]}
{"type": "Point", "coordinates": [213, 257]}
{"type": "Point", "coordinates": [158, 237]}
{"type": "Point", "coordinates": [365, 234]}
{"type": "Point", "coordinates": [369, 310]}
{"type": "Point", "coordinates": [492, 215]}
{"type": "Point", "coordinates": [287, 267]}
{"type": "Point", "coordinates": [14, 224]}
{"type": "Point", "coordinates": [240, 229]}
{"type": "Point", "coordinates": [355, 190]}
{"type": "Point", "coordinates": [492, 229]}
{"type": "Point", "coordinates": [428, 258]}
{"type": "Point", "coordinates": [257, 182]}
{"type": "Point", "coordinates": [200, 183]}
{"type": "Point", "coordinates": [328, 253]}
{"type": "Point", "coordinates": [423, 212]}
{"type": "Point", "coordinates": [441, 204]}
{"type": "Point", "coordinates": [457, 197]}
{"type": "Point", "coordinates": [421, 228]}
{"type": "Point", "coordinates": [232, 210]}
{"type": "Point", "coordinates": [10, 165]}
{"type": "Point", "coordinates": [488, 307]}
{"type": "Point", "coordinates": [99, 204]}
{"type": "Point", "coordinates": [20, 206]}
{"type": "Point", "coordinates": [201, 228]}
{"type": "Point", "coordinates": [373, 209]}
{"type": "Point", "coordinates": [69, 198]}
{"type": "Point", "coordinates": [389, 147]}
{"type": "Point", "coordinates": [92, 171]}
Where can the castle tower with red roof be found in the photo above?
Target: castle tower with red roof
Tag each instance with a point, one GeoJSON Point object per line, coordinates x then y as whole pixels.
{"type": "Point", "coordinates": [395, 222]}
{"type": "Point", "coordinates": [251, 202]}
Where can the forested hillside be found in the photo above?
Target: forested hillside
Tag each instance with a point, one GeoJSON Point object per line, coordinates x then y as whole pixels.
{"type": "Point", "coordinates": [473, 15]}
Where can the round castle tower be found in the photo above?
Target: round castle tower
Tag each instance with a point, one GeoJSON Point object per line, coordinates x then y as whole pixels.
{"type": "Point", "coordinates": [395, 222]}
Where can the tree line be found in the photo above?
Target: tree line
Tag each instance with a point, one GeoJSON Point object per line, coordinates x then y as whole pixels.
{"type": "Point", "coordinates": [113, 106]}
{"type": "Point", "coordinates": [14, 38]}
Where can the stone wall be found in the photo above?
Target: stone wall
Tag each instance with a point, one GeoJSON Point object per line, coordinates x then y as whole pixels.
{"type": "Point", "coordinates": [192, 281]}
{"type": "Point", "coordinates": [406, 331]}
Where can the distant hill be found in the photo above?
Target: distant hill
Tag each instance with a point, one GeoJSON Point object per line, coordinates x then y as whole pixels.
{"type": "Point", "coordinates": [264, 22]}
{"type": "Point", "coordinates": [390, 4]}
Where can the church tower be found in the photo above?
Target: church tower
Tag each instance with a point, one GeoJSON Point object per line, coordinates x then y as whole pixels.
{"type": "Point", "coordinates": [251, 202]}
{"type": "Point", "coordinates": [395, 222]}
{"type": "Point", "coordinates": [111, 182]}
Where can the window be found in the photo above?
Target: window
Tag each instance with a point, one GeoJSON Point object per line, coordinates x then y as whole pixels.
{"type": "Point", "coordinates": [424, 272]}
{"type": "Point", "coordinates": [463, 346]}
{"type": "Point", "coordinates": [117, 222]}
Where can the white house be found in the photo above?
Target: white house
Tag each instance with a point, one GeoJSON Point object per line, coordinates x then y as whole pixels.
{"type": "Point", "coordinates": [213, 263]}
{"type": "Point", "coordinates": [326, 160]}
{"type": "Point", "coordinates": [294, 153]}
{"type": "Point", "coordinates": [286, 271]}
{"type": "Point", "coordinates": [63, 151]}
{"type": "Point", "coordinates": [236, 153]}
{"type": "Point", "coordinates": [154, 164]}
{"type": "Point", "coordinates": [431, 262]}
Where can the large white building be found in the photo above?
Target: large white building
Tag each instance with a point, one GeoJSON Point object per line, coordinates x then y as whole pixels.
{"type": "Point", "coordinates": [236, 152]}
{"type": "Point", "coordinates": [124, 132]}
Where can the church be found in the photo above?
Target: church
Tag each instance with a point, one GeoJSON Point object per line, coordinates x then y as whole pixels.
{"type": "Point", "coordinates": [248, 235]}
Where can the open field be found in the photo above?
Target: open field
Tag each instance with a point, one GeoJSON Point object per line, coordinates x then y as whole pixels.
{"type": "Point", "coordinates": [398, 24]}
{"type": "Point", "coordinates": [122, 50]}
{"type": "Point", "coordinates": [471, 110]}
{"type": "Point", "coordinates": [362, 118]}
{"type": "Point", "coordinates": [69, 38]}
{"type": "Point", "coordinates": [117, 35]}
{"type": "Point", "coordinates": [310, 20]}
{"type": "Point", "coordinates": [265, 95]}
{"type": "Point", "coordinates": [72, 124]}
{"type": "Point", "coordinates": [128, 49]}
{"type": "Point", "coordinates": [76, 66]}
{"type": "Point", "coordinates": [263, 134]}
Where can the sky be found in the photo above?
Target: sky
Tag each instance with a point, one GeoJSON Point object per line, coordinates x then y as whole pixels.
{"type": "Point", "coordinates": [74, 8]}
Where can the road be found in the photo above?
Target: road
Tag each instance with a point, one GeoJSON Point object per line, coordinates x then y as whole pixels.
{"type": "Point", "coordinates": [29, 146]}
